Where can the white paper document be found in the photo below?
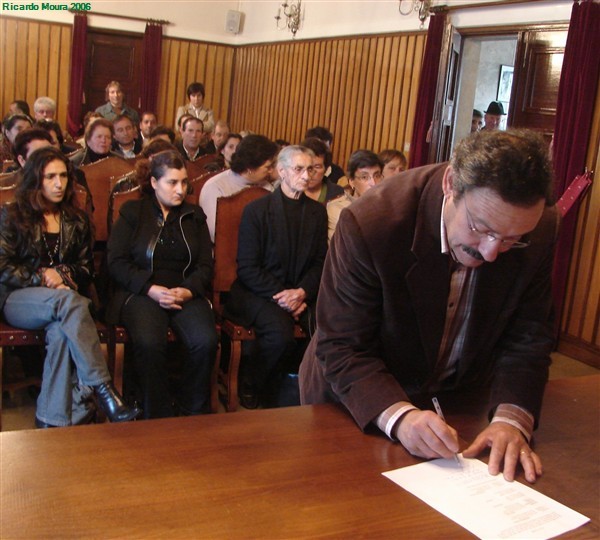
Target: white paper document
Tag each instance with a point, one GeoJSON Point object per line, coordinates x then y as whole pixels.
{"type": "Point", "coordinates": [488, 506]}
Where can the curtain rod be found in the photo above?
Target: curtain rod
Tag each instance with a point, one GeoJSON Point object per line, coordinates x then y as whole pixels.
{"type": "Point", "coordinates": [497, 3]}
{"type": "Point", "coordinates": [126, 17]}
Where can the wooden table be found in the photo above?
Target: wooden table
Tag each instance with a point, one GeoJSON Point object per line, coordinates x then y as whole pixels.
{"type": "Point", "coordinates": [288, 473]}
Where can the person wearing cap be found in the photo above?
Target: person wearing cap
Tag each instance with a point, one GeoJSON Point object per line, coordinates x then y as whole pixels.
{"type": "Point", "coordinates": [493, 116]}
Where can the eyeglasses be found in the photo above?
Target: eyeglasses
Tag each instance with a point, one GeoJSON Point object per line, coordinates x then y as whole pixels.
{"type": "Point", "coordinates": [376, 177]}
{"type": "Point", "coordinates": [505, 243]}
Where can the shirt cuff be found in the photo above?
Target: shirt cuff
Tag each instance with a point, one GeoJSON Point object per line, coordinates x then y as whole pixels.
{"type": "Point", "coordinates": [515, 416]}
{"type": "Point", "coordinates": [387, 420]}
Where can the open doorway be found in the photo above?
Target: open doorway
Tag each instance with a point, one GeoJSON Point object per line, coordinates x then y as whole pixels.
{"type": "Point", "coordinates": [486, 74]}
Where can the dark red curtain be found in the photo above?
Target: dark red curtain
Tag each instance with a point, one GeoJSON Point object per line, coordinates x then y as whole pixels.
{"type": "Point", "coordinates": [419, 148]}
{"type": "Point", "coordinates": [78, 61]}
{"type": "Point", "coordinates": [576, 96]}
{"type": "Point", "coordinates": [151, 56]}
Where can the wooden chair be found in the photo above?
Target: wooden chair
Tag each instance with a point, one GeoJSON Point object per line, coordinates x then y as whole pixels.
{"type": "Point", "coordinates": [196, 185]}
{"type": "Point", "coordinates": [210, 163]}
{"type": "Point", "coordinates": [7, 164]}
{"type": "Point", "coordinates": [118, 336]}
{"type": "Point", "coordinates": [8, 178]}
{"type": "Point", "coordinates": [227, 224]}
{"type": "Point", "coordinates": [101, 177]}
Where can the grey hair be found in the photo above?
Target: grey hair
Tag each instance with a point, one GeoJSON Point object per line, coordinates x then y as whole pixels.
{"type": "Point", "coordinates": [284, 159]}
{"type": "Point", "coordinates": [44, 101]}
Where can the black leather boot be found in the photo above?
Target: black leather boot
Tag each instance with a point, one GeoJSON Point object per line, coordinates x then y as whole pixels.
{"type": "Point", "coordinates": [113, 405]}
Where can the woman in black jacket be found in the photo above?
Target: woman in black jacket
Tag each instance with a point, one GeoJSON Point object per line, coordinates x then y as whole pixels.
{"type": "Point", "coordinates": [160, 259]}
{"type": "Point", "coordinates": [45, 259]}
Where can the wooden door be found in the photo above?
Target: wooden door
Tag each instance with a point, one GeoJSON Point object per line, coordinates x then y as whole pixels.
{"type": "Point", "coordinates": [112, 56]}
{"type": "Point", "coordinates": [536, 78]}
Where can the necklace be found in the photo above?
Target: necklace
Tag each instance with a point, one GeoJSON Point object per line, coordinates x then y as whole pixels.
{"type": "Point", "coordinates": [52, 253]}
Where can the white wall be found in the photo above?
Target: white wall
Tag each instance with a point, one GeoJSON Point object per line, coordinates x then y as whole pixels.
{"type": "Point", "coordinates": [204, 20]}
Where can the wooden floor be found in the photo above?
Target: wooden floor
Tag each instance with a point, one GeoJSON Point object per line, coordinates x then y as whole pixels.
{"type": "Point", "coordinates": [19, 407]}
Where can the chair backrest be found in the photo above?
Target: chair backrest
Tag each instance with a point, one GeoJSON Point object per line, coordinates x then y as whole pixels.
{"type": "Point", "coordinates": [227, 224]}
{"type": "Point", "coordinates": [7, 164]}
{"type": "Point", "coordinates": [101, 177]}
{"type": "Point", "coordinates": [204, 164]}
{"type": "Point", "coordinates": [7, 194]}
{"type": "Point", "coordinates": [8, 179]}
{"type": "Point", "coordinates": [196, 185]}
{"type": "Point", "coordinates": [118, 199]}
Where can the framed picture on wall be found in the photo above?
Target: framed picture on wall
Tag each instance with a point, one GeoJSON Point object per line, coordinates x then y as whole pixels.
{"type": "Point", "coordinates": [505, 83]}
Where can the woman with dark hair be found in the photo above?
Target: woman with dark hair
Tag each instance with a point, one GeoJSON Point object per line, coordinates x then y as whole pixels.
{"type": "Point", "coordinates": [45, 259]}
{"type": "Point", "coordinates": [319, 188]}
{"type": "Point", "coordinates": [251, 165]}
{"type": "Point", "coordinates": [364, 172]}
{"type": "Point", "coordinates": [195, 107]}
{"type": "Point", "coordinates": [160, 260]}
{"type": "Point", "coordinates": [11, 127]}
{"type": "Point", "coordinates": [98, 143]}
{"type": "Point", "coordinates": [229, 148]}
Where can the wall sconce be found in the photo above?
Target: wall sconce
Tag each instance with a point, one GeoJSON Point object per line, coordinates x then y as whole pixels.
{"type": "Point", "coordinates": [292, 11]}
{"type": "Point", "coordinates": [423, 7]}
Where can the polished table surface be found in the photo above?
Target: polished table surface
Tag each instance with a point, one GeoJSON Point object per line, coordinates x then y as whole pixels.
{"type": "Point", "coordinates": [298, 472]}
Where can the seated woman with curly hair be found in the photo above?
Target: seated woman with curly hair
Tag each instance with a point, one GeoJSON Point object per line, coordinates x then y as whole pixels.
{"type": "Point", "coordinates": [45, 260]}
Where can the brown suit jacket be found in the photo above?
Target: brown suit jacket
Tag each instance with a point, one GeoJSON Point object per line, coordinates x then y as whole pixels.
{"type": "Point", "coordinates": [382, 306]}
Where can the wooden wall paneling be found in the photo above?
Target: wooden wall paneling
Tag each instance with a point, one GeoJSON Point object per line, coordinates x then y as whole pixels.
{"type": "Point", "coordinates": [382, 117]}
{"type": "Point", "coordinates": [219, 95]}
{"type": "Point", "coordinates": [14, 81]}
{"type": "Point", "coordinates": [64, 79]}
{"type": "Point", "coordinates": [355, 97]}
{"type": "Point", "coordinates": [341, 122]}
{"type": "Point", "coordinates": [378, 97]}
{"type": "Point", "coordinates": [274, 67]}
{"type": "Point", "coordinates": [318, 105]}
{"type": "Point", "coordinates": [267, 87]}
{"type": "Point", "coordinates": [303, 88]}
{"type": "Point", "coordinates": [43, 59]}
{"type": "Point", "coordinates": [336, 115]}
{"type": "Point", "coordinates": [417, 47]}
{"type": "Point", "coordinates": [309, 90]}
{"type": "Point", "coordinates": [28, 41]}
{"type": "Point", "coordinates": [171, 85]}
{"type": "Point", "coordinates": [363, 118]}
{"type": "Point", "coordinates": [395, 82]}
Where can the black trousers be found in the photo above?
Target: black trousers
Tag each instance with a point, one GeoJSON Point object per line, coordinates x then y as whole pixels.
{"type": "Point", "coordinates": [147, 324]}
{"type": "Point", "coordinates": [277, 352]}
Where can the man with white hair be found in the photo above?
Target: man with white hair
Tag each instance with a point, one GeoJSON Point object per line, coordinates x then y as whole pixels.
{"type": "Point", "coordinates": [44, 108]}
{"type": "Point", "coordinates": [281, 251]}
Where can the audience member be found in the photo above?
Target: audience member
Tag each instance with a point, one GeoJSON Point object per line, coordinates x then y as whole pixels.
{"type": "Point", "coordinates": [364, 172]}
{"type": "Point", "coordinates": [318, 189]}
{"type": "Point", "coordinates": [441, 300]}
{"type": "Point", "coordinates": [11, 127]}
{"type": "Point", "coordinates": [251, 165]}
{"type": "Point", "coordinates": [19, 107]}
{"type": "Point", "coordinates": [196, 108]}
{"type": "Point", "coordinates": [493, 116]}
{"type": "Point", "coordinates": [115, 105]}
{"type": "Point", "coordinates": [163, 132]}
{"type": "Point", "coordinates": [46, 258]}
{"type": "Point", "coordinates": [90, 116]}
{"type": "Point", "coordinates": [55, 131]}
{"type": "Point", "coordinates": [147, 124]}
{"type": "Point", "coordinates": [229, 148]}
{"type": "Point", "coordinates": [165, 286]}
{"type": "Point", "coordinates": [476, 121]}
{"type": "Point", "coordinates": [44, 108]}
{"type": "Point", "coordinates": [98, 143]}
{"type": "Point", "coordinates": [394, 162]}
{"type": "Point", "coordinates": [281, 250]}
{"type": "Point", "coordinates": [192, 139]}
{"type": "Point", "coordinates": [218, 137]}
{"type": "Point", "coordinates": [125, 142]}
{"type": "Point", "coordinates": [335, 172]}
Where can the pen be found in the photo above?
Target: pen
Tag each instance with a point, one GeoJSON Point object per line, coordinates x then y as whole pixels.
{"type": "Point", "coordinates": [439, 412]}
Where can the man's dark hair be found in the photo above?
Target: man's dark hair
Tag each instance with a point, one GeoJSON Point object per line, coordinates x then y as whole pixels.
{"type": "Point", "coordinates": [10, 121]}
{"type": "Point", "coordinates": [363, 158]}
{"type": "Point", "coordinates": [23, 106]}
{"type": "Point", "coordinates": [51, 125]}
{"type": "Point", "coordinates": [122, 117]}
{"type": "Point", "coordinates": [515, 164]}
{"type": "Point", "coordinates": [191, 119]}
{"type": "Point", "coordinates": [163, 130]}
{"type": "Point", "coordinates": [23, 139]}
{"type": "Point", "coordinates": [319, 148]}
{"type": "Point", "coordinates": [319, 132]}
{"type": "Point", "coordinates": [195, 88]}
{"type": "Point", "coordinates": [252, 152]}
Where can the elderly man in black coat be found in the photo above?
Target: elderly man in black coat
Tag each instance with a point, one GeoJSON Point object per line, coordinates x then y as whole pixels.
{"type": "Point", "coordinates": [281, 251]}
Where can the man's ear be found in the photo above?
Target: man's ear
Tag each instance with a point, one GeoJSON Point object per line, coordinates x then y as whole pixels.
{"type": "Point", "coordinates": [447, 181]}
{"type": "Point", "coordinates": [21, 161]}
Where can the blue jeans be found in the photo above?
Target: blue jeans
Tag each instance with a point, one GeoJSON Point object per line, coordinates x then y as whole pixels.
{"type": "Point", "coordinates": [147, 324]}
{"type": "Point", "coordinates": [71, 340]}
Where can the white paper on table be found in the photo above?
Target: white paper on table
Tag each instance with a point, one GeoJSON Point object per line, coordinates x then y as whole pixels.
{"type": "Point", "coordinates": [486, 505]}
